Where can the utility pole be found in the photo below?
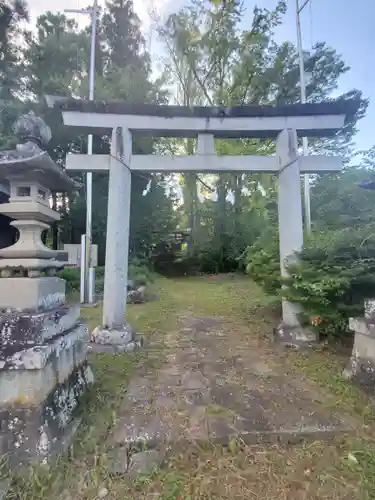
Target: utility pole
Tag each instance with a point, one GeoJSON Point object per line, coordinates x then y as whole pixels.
{"type": "Point", "coordinates": [305, 143]}
{"type": "Point", "coordinates": [87, 271]}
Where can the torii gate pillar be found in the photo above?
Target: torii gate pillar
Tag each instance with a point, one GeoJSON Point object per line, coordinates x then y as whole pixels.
{"type": "Point", "coordinates": [290, 332]}
{"type": "Point", "coordinates": [115, 335]}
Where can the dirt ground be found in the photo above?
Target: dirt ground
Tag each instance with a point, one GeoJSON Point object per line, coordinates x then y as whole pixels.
{"type": "Point", "coordinates": [234, 417]}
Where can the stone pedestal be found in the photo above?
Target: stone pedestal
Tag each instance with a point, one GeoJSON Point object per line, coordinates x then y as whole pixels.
{"type": "Point", "coordinates": [115, 340]}
{"type": "Point", "coordinates": [43, 362]}
{"type": "Point", "coordinates": [361, 366]}
{"type": "Point", "coordinates": [296, 337]}
{"type": "Point", "coordinates": [43, 372]}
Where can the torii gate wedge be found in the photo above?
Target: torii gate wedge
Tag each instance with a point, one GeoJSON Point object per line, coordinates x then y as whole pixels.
{"type": "Point", "coordinates": [284, 124]}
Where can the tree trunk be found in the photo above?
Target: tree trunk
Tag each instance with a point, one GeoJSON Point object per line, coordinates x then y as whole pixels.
{"type": "Point", "coordinates": [220, 221]}
{"type": "Point", "coordinates": [237, 178]}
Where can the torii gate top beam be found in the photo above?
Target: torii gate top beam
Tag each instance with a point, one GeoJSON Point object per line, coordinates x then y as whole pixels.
{"type": "Point", "coordinates": [314, 120]}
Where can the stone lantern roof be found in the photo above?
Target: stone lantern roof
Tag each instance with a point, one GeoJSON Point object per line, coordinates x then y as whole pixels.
{"type": "Point", "coordinates": [30, 159]}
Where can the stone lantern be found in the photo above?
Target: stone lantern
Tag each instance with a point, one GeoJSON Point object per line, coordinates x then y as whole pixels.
{"type": "Point", "coordinates": [43, 366]}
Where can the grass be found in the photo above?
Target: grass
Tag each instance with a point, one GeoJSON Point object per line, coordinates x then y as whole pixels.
{"type": "Point", "coordinates": [324, 368]}
{"type": "Point", "coordinates": [343, 468]}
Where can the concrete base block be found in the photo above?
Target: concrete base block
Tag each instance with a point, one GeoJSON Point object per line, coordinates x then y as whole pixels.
{"type": "Point", "coordinates": [22, 330]}
{"type": "Point", "coordinates": [297, 337]}
{"type": "Point", "coordinates": [361, 366]}
{"type": "Point", "coordinates": [115, 348]}
{"type": "Point", "coordinates": [89, 306]}
{"type": "Point", "coordinates": [120, 336]}
{"type": "Point", "coordinates": [29, 376]}
{"type": "Point", "coordinates": [37, 294]}
{"type": "Point", "coordinates": [36, 434]}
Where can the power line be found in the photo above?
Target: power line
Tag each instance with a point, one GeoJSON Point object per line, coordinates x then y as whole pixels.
{"type": "Point", "coordinates": [311, 25]}
{"type": "Point", "coordinates": [303, 100]}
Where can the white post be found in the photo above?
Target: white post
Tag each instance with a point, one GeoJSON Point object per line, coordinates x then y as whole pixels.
{"type": "Point", "coordinates": [118, 219]}
{"type": "Point", "coordinates": [87, 285]}
{"type": "Point", "coordinates": [92, 285]}
{"type": "Point", "coordinates": [90, 274]}
{"type": "Point", "coordinates": [290, 210]}
{"type": "Point", "coordinates": [82, 268]}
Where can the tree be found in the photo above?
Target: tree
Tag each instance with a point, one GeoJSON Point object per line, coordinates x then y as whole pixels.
{"type": "Point", "coordinates": [338, 201]}
{"type": "Point", "coordinates": [56, 61]}
{"type": "Point", "coordinates": [56, 56]}
{"type": "Point", "coordinates": [11, 15]}
{"type": "Point", "coordinates": [121, 29]}
{"type": "Point", "coordinates": [232, 66]}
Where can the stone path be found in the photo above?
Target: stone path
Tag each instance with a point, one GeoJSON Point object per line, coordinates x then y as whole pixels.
{"type": "Point", "coordinates": [216, 384]}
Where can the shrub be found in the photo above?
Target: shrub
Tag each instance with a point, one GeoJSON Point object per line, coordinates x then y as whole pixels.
{"type": "Point", "coordinates": [137, 271]}
{"type": "Point", "coordinates": [334, 274]}
{"type": "Point", "coordinates": [262, 261]}
{"type": "Point", "coordinates": [140, 280]}
{"type": "Point", "coordinates": [72, 277]}
{"type": "Point", "coordinates": [213, 260]}
{"type": "Point", "coordinates": [211, 257]}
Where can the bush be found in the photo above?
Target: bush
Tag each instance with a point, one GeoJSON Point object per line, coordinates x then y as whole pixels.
{"type": "Point", "coordinates": [213, 260]}
{"type": "Point", "coordinates": [72, 277]}
{"type": "Point", "coordinates": [334, 274]}
{"type": "Point", "coordinates": [262, 261]}
{"type": "Point", "coordinates": [208, 258]}
{"type": "Point", "coordinates": [137, 272]}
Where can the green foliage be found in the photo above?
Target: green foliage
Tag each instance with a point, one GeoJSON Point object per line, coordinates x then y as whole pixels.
{"type": "Point", "coordinates": [262, 260]}
{"type": "Point", "coordinates": [214, 259]}
{"type": "Point", "coordinates": [338, 201]}
{"type": "Point", "coordinates": [12, 13]}
{"type": "Point", "coordinates": [72, 277]}
{"type": "Point", "coordinates": [138, 272]}
{"type": "Point", "coordinates": [335, 273]}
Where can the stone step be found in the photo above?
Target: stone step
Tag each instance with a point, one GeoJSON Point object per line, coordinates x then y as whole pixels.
{"type": "Point", "coordinates": [149, 449]}
{"type": "Point", "coordinates": [202, 406]}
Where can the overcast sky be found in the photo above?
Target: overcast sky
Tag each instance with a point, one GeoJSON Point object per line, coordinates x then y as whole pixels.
{"type": "Point", "coordinates": [346, 25]}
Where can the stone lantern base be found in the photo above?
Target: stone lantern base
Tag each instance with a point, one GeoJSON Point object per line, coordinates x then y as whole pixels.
{"type": "Point", "coordinates": [361, 366]}
{"type": "Point", "coordinates": [43, 369]}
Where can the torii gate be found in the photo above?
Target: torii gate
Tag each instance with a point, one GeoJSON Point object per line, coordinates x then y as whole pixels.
{"type": "Point", "coordinates": [284, 124]}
